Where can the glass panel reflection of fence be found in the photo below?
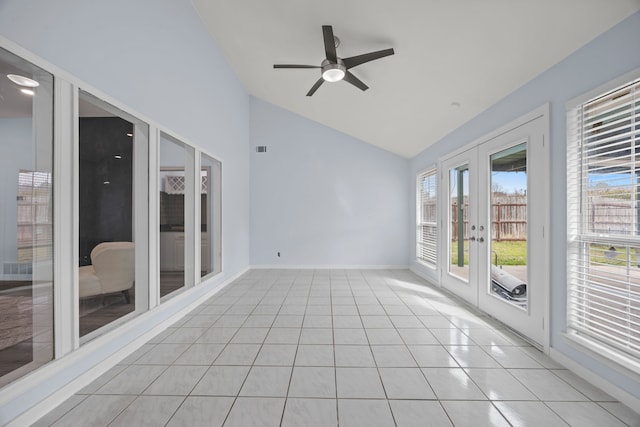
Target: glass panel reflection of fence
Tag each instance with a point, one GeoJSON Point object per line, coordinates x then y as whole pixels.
{"type": "Point", "coordinates": [35, 229]}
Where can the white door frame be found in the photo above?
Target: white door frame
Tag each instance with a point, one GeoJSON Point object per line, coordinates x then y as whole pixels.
{"type": "Point", "coordinates": [467, 289]}
{"type": "Point", "coordinates": [542, 215]}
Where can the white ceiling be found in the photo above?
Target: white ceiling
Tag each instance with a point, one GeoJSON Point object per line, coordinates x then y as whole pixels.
{"type": "Point", "coordinates": [470, 52]}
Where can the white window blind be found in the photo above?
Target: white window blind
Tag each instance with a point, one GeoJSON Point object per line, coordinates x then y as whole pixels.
{"type": "Point", "coordinates": [603, 175]}
{"type": "Point", "coordinates": [426, 236]}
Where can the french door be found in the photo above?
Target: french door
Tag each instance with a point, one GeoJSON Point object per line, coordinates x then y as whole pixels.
{"type": "Point", "coordinates": [494, 212]}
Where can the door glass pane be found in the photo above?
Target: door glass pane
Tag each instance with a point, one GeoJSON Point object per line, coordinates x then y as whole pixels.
{"type": "Point", "coordinates": [176, 201]}
{"type": "Point", "coordinates": [210, 215]}
{"type": "Point", "coordinates": [509, 225]}
{"type": "Point", "coordinates": [26, 229]}
{"type": "Point", "coordinates": [108, 138]}
{"type": "Point", "coordinates": [459, 215]}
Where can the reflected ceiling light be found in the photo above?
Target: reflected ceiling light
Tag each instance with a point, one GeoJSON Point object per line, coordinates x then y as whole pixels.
{"type": "Point", "coordinates": [117, 156]}
{"type": "Point", "coordinates": [22, 80]}
{"type": "Point", "coordinates": [129, 134]}
{"type": "Point", "coordinates": [27, 92]}
{"type": "Point", "coordinates": [107, 182]}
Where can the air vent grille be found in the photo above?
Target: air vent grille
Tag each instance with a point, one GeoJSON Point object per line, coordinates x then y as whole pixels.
{"type": "Point", "coordinates": [261, 148]}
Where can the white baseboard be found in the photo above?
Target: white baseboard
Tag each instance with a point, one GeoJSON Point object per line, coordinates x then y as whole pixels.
{"type": "Point", "coordinates": [160, 317]}
{"type": "Point", "coordinates": [421, 272]}
{"type": "Point", "coordinates": [328, 267]}
{"type": "Point", "coordinates": [623, 396]}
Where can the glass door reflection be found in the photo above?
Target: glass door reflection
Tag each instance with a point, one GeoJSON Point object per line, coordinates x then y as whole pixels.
{"type": "Point", "coordinates": [508, 251]}
{"type": "Point", "coordinates": [459, 222]}
{"type": "Point", "coordinates": [210, 215]}
{"type": "Point", "coordinates": [176, 183]}
{"type": "Point", "coordinates": [26, 230]}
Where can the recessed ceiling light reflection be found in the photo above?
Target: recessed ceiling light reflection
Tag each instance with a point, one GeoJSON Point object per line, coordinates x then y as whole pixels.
{"type": "Point", "coordinates": [117, 156]}
{"type": "Point", "coordinates": [27, 92]}
{"type": "Point", "coordinates": [107, 182]}
{"type": "Point", "coordinates": [22, 80]}
{"type": "Point", "coordinates": [129, 134]}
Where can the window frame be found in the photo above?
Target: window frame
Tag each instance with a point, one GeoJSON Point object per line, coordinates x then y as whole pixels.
{"type": "Point", "coordinates": [580, 237]}
{"type": "Point", "coordinates": [427, 173]}
{"type": "Point", "coordinates": [51, 381]}
{"type": "Point", "coordinates": [214, 214]}
{"type": "Point", "coordinates": [191, 191]}
{"type": "Point", "coordinates": [140, 209]}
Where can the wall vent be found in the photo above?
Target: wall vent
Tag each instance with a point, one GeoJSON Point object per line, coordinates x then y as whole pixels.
{"type": "Point", "coordinates": [261, 148]}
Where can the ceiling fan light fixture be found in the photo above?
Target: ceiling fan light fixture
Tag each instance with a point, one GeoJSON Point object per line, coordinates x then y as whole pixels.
{"type": "Point", "coordinates": [333, 72]}
{"type": "Point", "coordinates": [333, 75]}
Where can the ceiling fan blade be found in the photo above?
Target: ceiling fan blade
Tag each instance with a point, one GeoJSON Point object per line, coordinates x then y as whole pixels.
{"type": "Point", "coordinates": [315, 87]}
{"type": "Point", "coordinates": [366, 57]}
{"type": "Point", "coordinates": [348, 77]}
{"type": "Point", "coordinates": [329, 43]}
{"type": "Point", "coordinates": [294, 66]}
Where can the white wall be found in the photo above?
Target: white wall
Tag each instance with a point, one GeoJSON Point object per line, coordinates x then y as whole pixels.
{"type": "Point", "coordinates": [157, 57]}
{"type": "Point", "coordinates": [322, 198]}
{"type": "Point", "coordinates": [609, 56]}
{"type": "Point", "coordinates": [16, 140]}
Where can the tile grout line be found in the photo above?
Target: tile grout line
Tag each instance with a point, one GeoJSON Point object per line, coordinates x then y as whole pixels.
{"type": "Point", "coordinates": [295, 356]}
{"type": "Point", "coordinates": [380, 286]}
{"type": "Point", "coordinates": [384, 389]}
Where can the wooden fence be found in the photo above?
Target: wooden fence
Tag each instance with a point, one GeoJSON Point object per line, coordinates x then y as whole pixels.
{"type": "Point", "coordinates": [509, 221]}
{"type": "Point", "coordinates": [608, 215]}
{"type": "Point", "coordinates": [509, 217]}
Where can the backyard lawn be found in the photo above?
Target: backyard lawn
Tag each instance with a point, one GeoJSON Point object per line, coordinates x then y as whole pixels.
{"type": "Point", "coordinates": [507, 252]}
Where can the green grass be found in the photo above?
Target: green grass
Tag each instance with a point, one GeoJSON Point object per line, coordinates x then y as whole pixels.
{"type": "Point", "coordinates": [509, 253]}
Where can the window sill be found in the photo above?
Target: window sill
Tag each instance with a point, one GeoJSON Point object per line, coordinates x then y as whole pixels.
{"type": "Point", "coordinates": [624, 364]}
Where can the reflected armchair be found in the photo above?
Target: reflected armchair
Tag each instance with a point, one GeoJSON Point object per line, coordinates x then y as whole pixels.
{"type": "Point", "coordinates": [112, 270]}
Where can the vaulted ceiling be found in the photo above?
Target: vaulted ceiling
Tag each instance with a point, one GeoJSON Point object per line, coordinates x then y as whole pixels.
{"type": "Point", "coordinates": [453, 58]}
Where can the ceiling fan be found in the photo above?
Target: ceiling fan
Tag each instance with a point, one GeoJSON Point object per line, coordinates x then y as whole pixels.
{"type": "Point", "coordinates": [335, 69]}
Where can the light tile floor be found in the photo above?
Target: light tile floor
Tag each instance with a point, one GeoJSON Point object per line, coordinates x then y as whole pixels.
{"type": "Point", "coordinates": [337, 347]}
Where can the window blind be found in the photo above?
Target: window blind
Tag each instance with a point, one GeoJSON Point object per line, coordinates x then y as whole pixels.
{"type": "Point", "coordinates": [603, 176]}
{"type": "Point", "coordinates": [426, 236]}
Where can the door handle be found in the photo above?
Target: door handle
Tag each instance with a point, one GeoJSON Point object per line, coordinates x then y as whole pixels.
{"type": "Point", "coordinates": [480, 239]}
